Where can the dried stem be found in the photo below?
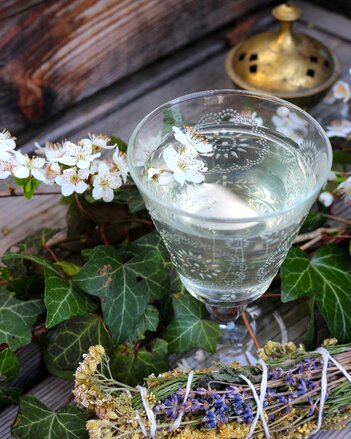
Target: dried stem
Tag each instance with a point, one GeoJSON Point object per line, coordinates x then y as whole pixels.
{"type": "Point", "coordinates": [250, 331]}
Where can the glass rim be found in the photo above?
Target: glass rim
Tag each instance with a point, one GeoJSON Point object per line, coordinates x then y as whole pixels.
{"type": "Point", "coordinates": [234, 220]}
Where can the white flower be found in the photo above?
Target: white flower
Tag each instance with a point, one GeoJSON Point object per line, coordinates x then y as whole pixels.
{"type": "Point", "coordinates": [71, 181]}
{"type": "Point", "coordinates": [184, 166]}
{"type": "Point", "coordinates": [339, 128]}
{"type": "Point", "coordinates": [290, 124]}
{"type": "Point", "coordinates": [55, 152]}
{"type": "Point", "coordinates": [345, 189]}
{"type": "Point", "coordinates": [148, 145]}
{"type": "Point", "coordinates": [191, 139]}
{"type": "Point", "coordinates": [341, 90]}
{"type": "Point", "coordinates": [26, 166]}
{"type": "Point", "coordinates": [119, 159]}
{"type": "Point", "coordinates": [326, 198]}
{"type": "Point", "coordinates": [100, 141]}
{"type": "Point", "coordinates": [104, 183]}
{"type": "Point", "coordinates": [80, 155]}
{"type": "Point", "coordinates": [6, 167]}
{"type": "Point", "coordinates": [7, 145]}
{"type": "Point", "coordinates": [161, 177]}
{"type": "Point", "coordinates": [51, 171]}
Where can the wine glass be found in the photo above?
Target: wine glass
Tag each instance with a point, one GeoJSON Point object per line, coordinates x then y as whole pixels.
{"type": "Point", "coordinates": [228, 178]}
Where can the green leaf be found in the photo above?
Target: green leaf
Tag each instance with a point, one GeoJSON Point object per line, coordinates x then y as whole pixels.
{"type": "Point", "coordinates": [78, 225]}
{"type": "Point", "coordinates": [16, 319]}
{"type": "Point", "coordinates": [132, 197]}
{"type": "Point", "coordinates": [68, 267]}
{"type": "Point", "coordinates": [296, 276]}
{"type": "Point", "coordinates": [9, 395]}
{"type": "Point", "coordinates": [28, 190]}
{"type": "Point", "coordinates": [122, 145]}
{"type": "Point", "coordinates": [45, 263]}
{"type": "Point", "coordinates": [131, 367]}
{"type": "Point", "coordinates": [126, 281]}
{"type": "Point", "coordinates": [327, 277]}
{"type": "Point", "coordinates": [65, 344]}
{"type": "Point", "coordinates": [189, 329]}
{"type": "Point", "coordinates": [29, 246]}
{"type": "Point", "coordinates": [148, 322]}
{"type": "Point", "coordinates": [63, 300]}
{"type": "Point", "coordinates": [9, 366]}
{"type": "Point", "coordinates": [341, 157]}
{"type": "Point", "coordinates": [35, 420]}
{"type": "Point", "coordinates": [313, 220]}
{"type": "Point", "coordinates": [173, 117]}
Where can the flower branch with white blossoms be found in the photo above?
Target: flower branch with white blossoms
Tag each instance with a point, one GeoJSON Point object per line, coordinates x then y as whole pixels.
{"type": "Point", "coordinates": [183, 165]}
{"type": "Point", "coordinates": [75, 167]}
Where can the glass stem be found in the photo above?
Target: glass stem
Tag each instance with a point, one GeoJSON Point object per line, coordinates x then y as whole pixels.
{"type": "Point", "coordinates": [225, 315]}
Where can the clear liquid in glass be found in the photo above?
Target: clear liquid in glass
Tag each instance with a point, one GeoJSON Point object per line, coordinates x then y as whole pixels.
{"type": "Point", "coordinates": [252, 176]}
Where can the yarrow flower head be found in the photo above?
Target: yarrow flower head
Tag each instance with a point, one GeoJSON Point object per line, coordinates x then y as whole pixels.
{"type": "Point", "coordinates": [105, 182]}
{"type": "Point", "coordinates": [7, 145]}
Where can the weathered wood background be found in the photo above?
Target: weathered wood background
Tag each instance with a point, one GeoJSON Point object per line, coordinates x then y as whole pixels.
{"type": "Point", "coordinates": [69, 67]}
{"type": "Point", "coordinates": [55, 53]}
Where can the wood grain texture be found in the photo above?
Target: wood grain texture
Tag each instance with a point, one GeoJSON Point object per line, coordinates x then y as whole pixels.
{"type": "Point", "coordinates": [118, 111]}
{"type": "Point", "coordinates": [57, 53]}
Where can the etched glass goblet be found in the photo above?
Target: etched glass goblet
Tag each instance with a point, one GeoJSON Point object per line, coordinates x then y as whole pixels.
{"type": "Point", "coordinates": [228, 178]}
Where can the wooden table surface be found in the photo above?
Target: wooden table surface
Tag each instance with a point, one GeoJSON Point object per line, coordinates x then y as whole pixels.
{"type": "Point", "coordinates": [117, 110]}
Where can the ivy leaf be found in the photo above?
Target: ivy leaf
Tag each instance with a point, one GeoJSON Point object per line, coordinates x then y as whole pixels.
{"type": "Point", "coordinates": [125, 282]}
{"type": "Point", "coordinates": [16, 319]}
{"type": "Point", "coordinates": [65, 344]}
{"type": "Point", "coordinates": [189, 329]}
{"type": "Point", "coordinates": [63, 300]}
{"type": "Point", "coordinates": [132, 197]}
{"type": "Point", "coordinates": [68, 267]}
{"type": "Point", "coordinates": [132, 367]}
{"type": "Point", "coordinates": [327, 277]}
{"type": "Point", "coordinates": [171, 118]}
{"type": "Point", "coordinates": [30, 245]}
{"type": "Point", "coordinates": [40, 260]}
{"type": "Point", "coordinates": [9, 395]}
{"type": "Point", "coordinates": [122, 145]}
{"type": "Point", "coordinates": [9, 366]}
{"type": "Point", "coordinates": [148, 322]}
{"type": "Point", "coordinates": [35, 420]}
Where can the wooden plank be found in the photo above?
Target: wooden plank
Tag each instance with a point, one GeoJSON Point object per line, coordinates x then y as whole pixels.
{"type": "Point", "coordinates": [8, 8]}
{"type": "Point", "coordinates": [57, 53]}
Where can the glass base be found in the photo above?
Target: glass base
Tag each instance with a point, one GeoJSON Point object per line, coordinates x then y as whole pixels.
{"type": "Point", "coordinates": [235, 343]}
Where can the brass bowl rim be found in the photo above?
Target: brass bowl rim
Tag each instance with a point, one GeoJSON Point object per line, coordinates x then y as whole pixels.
{"type": "Point", "coordinates": [281, 94]}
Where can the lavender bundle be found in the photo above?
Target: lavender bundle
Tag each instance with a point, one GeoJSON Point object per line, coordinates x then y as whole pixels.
{"type": "Point", "coordinates": [290, 394]}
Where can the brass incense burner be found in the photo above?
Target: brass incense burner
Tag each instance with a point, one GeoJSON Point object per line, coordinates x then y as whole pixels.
{"type": "Point", "coordinates": [290, 65]}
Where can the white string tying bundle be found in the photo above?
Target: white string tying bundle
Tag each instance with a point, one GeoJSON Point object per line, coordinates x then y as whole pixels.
{"type": "Point", "coordinates": [187, 391]}
{"type": "Point", "coordinates": [324, 382]}
{"type": "Point", "coordinates": [149, 413]}
{"type": "Point", "coordinates": [259, 400]}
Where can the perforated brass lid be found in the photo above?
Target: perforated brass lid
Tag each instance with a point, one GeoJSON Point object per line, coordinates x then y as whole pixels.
{"type": "Point", "coordinates": [290, 65]}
